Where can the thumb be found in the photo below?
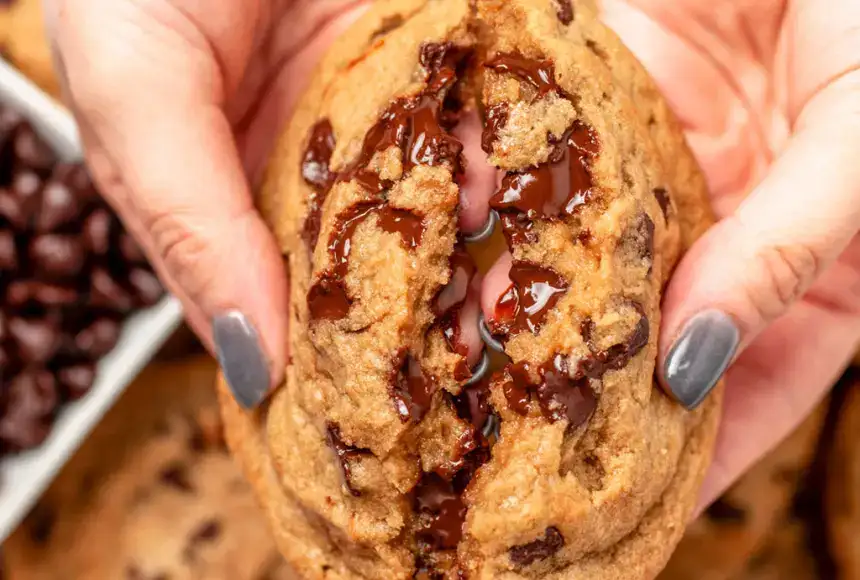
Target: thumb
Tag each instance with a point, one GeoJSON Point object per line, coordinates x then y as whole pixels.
{"type": "Point", "coordinates": [147, 96]}
{"type": "Point", "coordinates": [752, 266]}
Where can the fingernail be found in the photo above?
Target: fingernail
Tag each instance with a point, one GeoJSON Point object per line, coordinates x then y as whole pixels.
{"type": "Point", "coordinates": [700, 356]}
{"type": "Point", "coordinates": [241, 356]}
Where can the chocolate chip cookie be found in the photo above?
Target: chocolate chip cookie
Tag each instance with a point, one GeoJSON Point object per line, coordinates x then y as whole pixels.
{"type": "Point", "coordinates": [23, 42]}
{"type": "Point", "coordinates": [721, 543]}
{"type": "Point", "coordinates": [785, 555]}
{"type": "Point", "coordinates": [152, 494]}
{"type": "Point", "coordinates": [382, 456]}
{"type": "Point", "coordinates": [843, 483]}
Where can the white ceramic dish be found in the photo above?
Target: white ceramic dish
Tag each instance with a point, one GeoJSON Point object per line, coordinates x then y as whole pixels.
{"type": "Point", "coordinates": [24, 477]}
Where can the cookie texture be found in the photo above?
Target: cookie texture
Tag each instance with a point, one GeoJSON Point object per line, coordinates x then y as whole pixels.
{"type": "Point", "coordinates": [843, 484]}
{"type": "Point", "coordinates": [378, 458]}
{"type": "Point", "coordinates": [23, 42]}
{"type": "Point", "coordinates": [152, 493]}
{"type": "Point", "coordinates": [726, 540]}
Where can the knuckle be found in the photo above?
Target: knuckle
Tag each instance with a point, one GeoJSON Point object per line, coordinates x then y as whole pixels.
{"type": "Point", "coordinates": [185, 254]}
{"type": "Point", "coordinates": [784, 273]}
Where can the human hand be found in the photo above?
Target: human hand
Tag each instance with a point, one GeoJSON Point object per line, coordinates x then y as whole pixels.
{"type": "Point", "coordinates": [769, 93]}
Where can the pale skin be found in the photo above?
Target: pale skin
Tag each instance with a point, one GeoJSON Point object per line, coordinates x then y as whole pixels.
{"type": "Point", "coordinates": [180, 102]}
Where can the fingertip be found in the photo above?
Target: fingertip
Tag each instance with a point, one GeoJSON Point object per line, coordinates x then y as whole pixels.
{"type": "Point", "coordinates": [496, 282]}
{"type": "Point", "coordinates": [479, 179]}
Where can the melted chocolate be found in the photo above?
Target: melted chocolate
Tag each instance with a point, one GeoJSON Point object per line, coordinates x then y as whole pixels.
{"type": "Point", "coordinates": [617, 356]}
{"type": "Point", "coordinates": [413, 125]}
{"type": "Point", "coordinates": [496, 119]}
{"type": "Point", "coordinates": [346, 454]}
{"type": "Point", "coordinates": [473, 404]}
{"type": "Point", "coordinates": [524, 306]}
{"type": "Point", "coordinates": [412, 390]}
{"type": "Point", "coordinates": [559, 396]}
{"type": "Point", "coordinates": [441, 512]}
{"type": "Point", "coordinates": [556, 188]}
{"type": "Point", "coordinates": [540, 549]}
{"type": "Point", "coordinates": [317, 173]}
{"type": "Point", "coordinates": [564, 10]}
{"type": "Point", "coordinates": [328, 298]}
{"type": "Point", "coordinates": [538, 73]}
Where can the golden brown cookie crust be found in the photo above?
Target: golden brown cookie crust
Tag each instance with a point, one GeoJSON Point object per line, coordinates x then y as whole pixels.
{"type": "Point", "coordinates": [605, 499]}
{"type": "Point", "coordinates": [152, 493]}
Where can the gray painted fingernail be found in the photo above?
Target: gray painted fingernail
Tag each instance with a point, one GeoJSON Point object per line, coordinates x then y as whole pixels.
{"type": "Point", "coordinates": [240, 354]}
{"type": "Point", "coordinates": [700, 356]}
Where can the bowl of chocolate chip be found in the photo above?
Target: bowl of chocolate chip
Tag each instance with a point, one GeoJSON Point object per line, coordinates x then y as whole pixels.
{"type": "Point", "coordinates": [81, 311]}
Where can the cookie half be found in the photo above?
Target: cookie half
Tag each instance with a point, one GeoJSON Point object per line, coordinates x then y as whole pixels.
{"type": "Point", "coordinates": [380, 456]}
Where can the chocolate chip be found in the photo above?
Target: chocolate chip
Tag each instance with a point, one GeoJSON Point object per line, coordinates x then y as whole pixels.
{"type": "Point", "coordinates": [98, 339]}
{"type": "Point", "coordinates": [36, 341]}
{"type": "Point", "coordinates": [8, 252]}
{"type": "Point", "coordinates": [77, 379]}
{"type": "Point", "coordinates": [23, 292]}
{"type": "Point", "coordinates": [31, 151]}
{"type": "Point", "coordinates": [564, 10]}
{"type": "Point", "coordinates": [146, 287]}
{"type": "Point", "coordinates": [40, 522]}
{"type": "Point", "coordinates": [496, 119]}
{"type": "Point", "coordinates": [57, 255]}
{"type": "Point", "coordinates": [131, 250]}
{"type": "Point", "coordinates": [388, 24]}
{"type": "Point", "coordinates": [662, 196]}
{"type": "Point", "coordinates": [106, 292]}
{"type": "Point", "coordinates": [206, 533]}
{"type": "Point", "coordinates": [534, 291]}
{"type": "Point", "coordinates": [411, 389]}
{"type": "Point", "coordinates": [175, 475]}
{"type": "Point", "coordinates": [76, 177]}
{"type": "Point", "coordinates": [541, 549]}
{"type": "Point", "coordinates": [59, 207]}
{"type": "Point", "coordinates": [346, 455]}
{"type": "Point", "coordinates": [31, 398]}
{"type": "Point", "coordinates": [97, 231]}
{"type": "Point", "coordinates": [441, 512]}
{"type": "Point", "coordinates": [725, 512]}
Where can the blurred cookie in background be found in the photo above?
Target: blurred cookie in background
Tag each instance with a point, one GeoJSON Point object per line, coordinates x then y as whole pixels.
{"type": "Point", "coordinates": [842, 499]}
{"type": "Point", "coordinates": [785, 555]}
{"type": "Point", "coordinates": [151, 494]}
{"type": "Point", "coordinates": [723, 540]}
{"type": "Point", "coordinates": [23, 42]}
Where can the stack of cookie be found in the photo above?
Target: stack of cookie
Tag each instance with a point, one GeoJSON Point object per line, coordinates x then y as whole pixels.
{"type": "Point", "coordinates": [152, 494]}
{"type": "Point", "coordinates": [795, 515]}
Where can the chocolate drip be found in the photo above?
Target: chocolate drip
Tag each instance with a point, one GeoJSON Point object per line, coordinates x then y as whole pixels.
{"type": "Point", "coordinates": [554, 189]}
{"type": "Point", "coordinates": [346, 455]}
{"type": "Point", "coordinates": [496, 119]}
{"type": "Point", "coordinates": [538, 73]}
{"type": "Point", "coordinates": [413, 125]}
{"type": "Point", "coordinates": [328, 298]}
{"type": "Point", "coordinates": [412, 390]}
{"type": "Point", "coordinates": [540, 549]}
{"type": "Point", "coordinates": [317, 173]}
{"type": "Point", "coordinates": [441, 512]}
{"type": "Point", "coordinates": [525, 304]}
{"type": "Point", "coordinates": [559, 395]}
